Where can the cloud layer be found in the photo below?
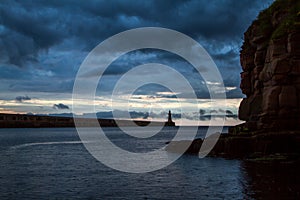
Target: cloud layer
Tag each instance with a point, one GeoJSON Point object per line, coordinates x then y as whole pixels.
{"type": "Point", "coordinates": [22, 98]}
{"type": "Point", "coordinates": [42, 43]}
{"type": "Point", "coordinates": [60, 106]}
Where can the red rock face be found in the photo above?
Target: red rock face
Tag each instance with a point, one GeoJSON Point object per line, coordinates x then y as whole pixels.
{"type": "Point", "coordinates": [271, 76]}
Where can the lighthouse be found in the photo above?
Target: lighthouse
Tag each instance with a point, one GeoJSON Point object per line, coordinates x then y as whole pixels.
{"type": "Point", "coordinates": [170, 122]}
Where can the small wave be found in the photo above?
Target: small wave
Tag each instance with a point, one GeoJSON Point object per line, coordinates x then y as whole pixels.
{"type": "Point", "coordinates": [46, 143]}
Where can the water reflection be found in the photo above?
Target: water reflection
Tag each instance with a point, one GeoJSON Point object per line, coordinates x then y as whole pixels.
{"type": "Point", "coordinates": [271, 181]}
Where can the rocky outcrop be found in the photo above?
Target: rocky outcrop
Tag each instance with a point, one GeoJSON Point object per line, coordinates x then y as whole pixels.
{"type": "Point", "coordinates": [262, 145]}
{"type": "Point", "coordinates": [270, 59]}
{"type": "Point", "coordinates": [283, 145]}
{"type": "Point", "coordinates": [180, 146]}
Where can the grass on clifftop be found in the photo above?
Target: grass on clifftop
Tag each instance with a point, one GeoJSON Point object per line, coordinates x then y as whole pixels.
{"type": "Point", "coordinates": [290, 14]}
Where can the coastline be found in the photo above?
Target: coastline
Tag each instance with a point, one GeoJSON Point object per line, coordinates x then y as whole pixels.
{"type": "Point", "coordinates": [40, 121]}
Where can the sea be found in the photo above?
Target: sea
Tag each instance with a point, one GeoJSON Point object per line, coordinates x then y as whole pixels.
{"type": "Point", "coordinates": [53, 163]}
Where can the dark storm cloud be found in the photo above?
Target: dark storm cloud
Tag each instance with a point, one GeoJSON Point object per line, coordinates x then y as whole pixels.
{"type": "Point", "coordinates": [22, 98]}
{"type": "Point", "coordinates": [40, 34]}
{"type": "Point", "coordinates": [60, 106]}
{"type": "Point", "coordinates": [24, 32]}
{"type": "Point", "coordinates": [46, 23]}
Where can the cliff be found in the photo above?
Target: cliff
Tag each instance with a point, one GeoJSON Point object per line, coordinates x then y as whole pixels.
{"type": "Point", "coordinates": [270, 59]}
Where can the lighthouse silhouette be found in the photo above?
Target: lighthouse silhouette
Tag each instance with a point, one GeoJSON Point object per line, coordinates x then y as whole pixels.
{"type": "Point", "coordinates": [170, 122]}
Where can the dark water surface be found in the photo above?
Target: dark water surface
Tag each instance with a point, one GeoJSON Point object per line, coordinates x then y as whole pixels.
{"type": "Point", "coordinates": [54, 164]}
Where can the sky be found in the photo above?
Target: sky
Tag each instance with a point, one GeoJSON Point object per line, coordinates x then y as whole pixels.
{"type": "Point", "coordinates": [43, 44]}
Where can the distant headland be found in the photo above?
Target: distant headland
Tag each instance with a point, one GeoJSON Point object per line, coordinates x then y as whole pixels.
{"type": "Point", "coordinates": [42, 121]}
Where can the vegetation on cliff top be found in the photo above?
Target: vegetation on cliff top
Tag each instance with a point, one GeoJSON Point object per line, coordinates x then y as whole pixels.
{"type": "Point", "coordinates": [288, 14]}
{"type": "Point", "coordinates": [282, 17]}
